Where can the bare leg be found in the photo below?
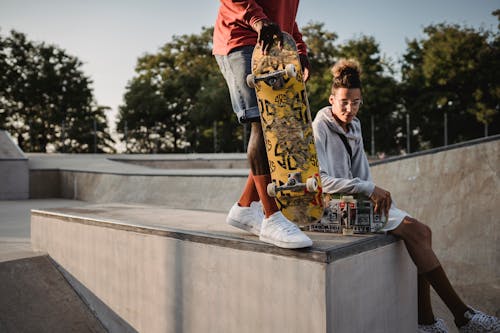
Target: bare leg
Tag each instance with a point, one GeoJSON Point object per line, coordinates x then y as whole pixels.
{"type": "Point", "coordinates": [256, 151]}
{"type": "Point", "coordinates": [418, 240]}
{"type": "Point", "coordinates": [257, 157]}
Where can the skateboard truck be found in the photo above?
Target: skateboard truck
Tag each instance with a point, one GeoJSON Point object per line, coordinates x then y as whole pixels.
{"type": "Point", "coordinates": [293, 184]}
{"type": "Point", "coordinates": [273, 79]}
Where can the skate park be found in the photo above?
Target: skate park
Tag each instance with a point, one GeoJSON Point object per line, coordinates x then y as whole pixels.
{"type": "Point", "coordinates": [139, 243]}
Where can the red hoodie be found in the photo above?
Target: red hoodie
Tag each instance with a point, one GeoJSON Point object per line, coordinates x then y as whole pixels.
{"type": "Point", "coordinates": [233, 27]}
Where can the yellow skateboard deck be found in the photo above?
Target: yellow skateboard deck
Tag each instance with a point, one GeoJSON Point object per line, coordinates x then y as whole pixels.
{"type": "Point", "coordinates": [286, 122]}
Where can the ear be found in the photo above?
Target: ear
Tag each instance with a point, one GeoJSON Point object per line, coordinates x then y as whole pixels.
{"type": "Point", "coordinates": [331, 99]}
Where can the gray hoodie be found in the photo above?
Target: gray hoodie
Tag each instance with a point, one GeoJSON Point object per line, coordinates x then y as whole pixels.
{"type": "Point", "coordinates": [338, 173]}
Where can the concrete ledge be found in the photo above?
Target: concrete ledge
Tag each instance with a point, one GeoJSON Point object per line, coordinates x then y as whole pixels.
{"type": "Point", "coordinates": [456, 193]}
{"type": "Point", "coordinates": [213, 192]}
{"type": "Point", "coordinates": [14, 170]}
{"type": "Point", "coordinates": [186, 161]}
{"type": "Point", "coordinates": [14, 179]}
{"type": "Point", "coordinates": [98, 178]}
{"type": "Point", "coordinates": [166, 270]}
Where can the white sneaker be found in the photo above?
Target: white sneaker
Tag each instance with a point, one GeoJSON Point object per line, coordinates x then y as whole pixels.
{"type": "Point", "coordinates": [439, 326]}
{"type": "Point", "coordinates": [480, 322]}
{"type": "Point", "coordinates": [246, 218]}
{"type": "Point", "coordinates": [278, 230]}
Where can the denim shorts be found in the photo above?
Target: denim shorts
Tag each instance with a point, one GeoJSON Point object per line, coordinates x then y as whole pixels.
{"type": "Point", "coordinates": [235, 67]}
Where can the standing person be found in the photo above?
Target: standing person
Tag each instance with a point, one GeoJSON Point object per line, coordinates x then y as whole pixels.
{"type": "Point", "coordinates": [337, 130]}
{"type": "Point", "coordinates": [239, 26]}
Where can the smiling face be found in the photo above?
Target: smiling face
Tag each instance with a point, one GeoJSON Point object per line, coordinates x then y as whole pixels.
{"type": "Point", "coordinates": [345, 104]}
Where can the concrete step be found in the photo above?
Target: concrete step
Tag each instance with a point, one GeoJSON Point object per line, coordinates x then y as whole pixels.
{"type": "Point", "coordinates": [169, 270]}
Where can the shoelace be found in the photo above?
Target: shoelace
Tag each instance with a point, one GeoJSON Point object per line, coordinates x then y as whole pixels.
{"type": "Point", "coordinates": [437, 327]}
{"type": "Point", "coordinates": [484, 319]}
{"type": "Point", "coordinates": [289, 228]}
{"type": "Point", "coordinates": [257, 208]}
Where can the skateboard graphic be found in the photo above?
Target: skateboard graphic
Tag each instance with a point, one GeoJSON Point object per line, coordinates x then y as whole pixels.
{"type": "Point", "coordinates": [286, 122]}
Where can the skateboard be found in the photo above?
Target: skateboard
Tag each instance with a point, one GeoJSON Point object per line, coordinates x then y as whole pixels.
{"type": "Point", "coordinates": [277, 78]}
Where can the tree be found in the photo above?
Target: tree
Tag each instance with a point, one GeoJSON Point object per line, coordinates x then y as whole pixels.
{"type": "Point", "coordinates": [46, 100]}
{"type": "Point", "coordinates": [380, 94]}
{"type": "Point", "coordinates": [178, 99]}
{"type": "Point", "coordinates": [379, 88]}
{"type": "Point", "coordinates": [451, 73]}
{"type": "Point", "coordinates": [322, 54]}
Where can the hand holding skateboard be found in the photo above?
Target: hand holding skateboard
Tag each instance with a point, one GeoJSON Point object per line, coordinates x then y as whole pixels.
{"type": "Point", "coordinates": [267, 32]}
{"type": "Point", "coordinates": [278, 79]}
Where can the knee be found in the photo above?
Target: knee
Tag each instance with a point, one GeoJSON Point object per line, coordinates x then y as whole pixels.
{"type": "Point", "coordinates": [256, 151]}
{"type": "Point", "coordinates": [421, 233]}
{"type": "Point", "coordinates": [256, 144]}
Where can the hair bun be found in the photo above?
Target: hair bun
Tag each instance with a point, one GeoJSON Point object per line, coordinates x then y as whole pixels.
{"type": "Point", "coordinates": [346, 74]}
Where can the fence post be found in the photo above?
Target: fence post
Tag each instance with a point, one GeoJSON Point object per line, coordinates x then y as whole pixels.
{"type": "Point", "coordinates": [95, 135]}
{"type": "Point", "coordinates": [408, 133]}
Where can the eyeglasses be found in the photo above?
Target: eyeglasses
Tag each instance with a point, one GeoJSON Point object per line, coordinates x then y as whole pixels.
{"type": "Point", "coordinates": [345, 102]}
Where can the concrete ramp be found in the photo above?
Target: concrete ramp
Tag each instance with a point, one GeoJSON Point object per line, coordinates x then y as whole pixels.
{"type": "Point", "coordinates": [14, 170]}
{"type": "Point", "coordinates": [35, 297]}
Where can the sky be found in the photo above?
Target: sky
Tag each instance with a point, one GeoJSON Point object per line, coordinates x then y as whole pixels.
{"type": "Point", "coordinates": [108, 36]}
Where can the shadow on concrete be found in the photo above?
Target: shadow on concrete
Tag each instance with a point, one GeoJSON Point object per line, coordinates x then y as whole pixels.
{"type": "Point", "coordinates": [35, 297]}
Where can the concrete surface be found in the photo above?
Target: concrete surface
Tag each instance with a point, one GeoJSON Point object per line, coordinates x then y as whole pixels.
{"type": "Point", "coordinates": [186, 161]}
{"type": "Point", "coordinates": [165, 270]}
{"type": "Point", "coordinates": [457, 193]}
{"type": "Point", "coordinates": [15, 215]}
{"type": "Point", "coordinates": [36, 298]}
{"type": "Point", "coordinates": [432, 186]}
{"type": "Point", "coordinates": [34, 295]}
{"type": "Point", "coordinates": [14, 171]}
{"type": "Point", "coordinates": [97, 178]}
{"type": "Point", "coordinates": [8, 148]}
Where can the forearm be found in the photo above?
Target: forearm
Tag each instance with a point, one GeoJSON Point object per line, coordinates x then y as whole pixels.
{"type": "Point", "coordinates": [344, 185]}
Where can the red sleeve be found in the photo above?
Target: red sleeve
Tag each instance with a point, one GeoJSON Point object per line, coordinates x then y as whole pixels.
{"type": "Point", "coordinates": [297, 36]}
{"type": "Point", "coordinates": [247, 11]}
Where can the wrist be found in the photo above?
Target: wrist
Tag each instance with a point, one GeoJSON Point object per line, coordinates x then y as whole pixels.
{"type": "Point", "coordinates": [259, 23]}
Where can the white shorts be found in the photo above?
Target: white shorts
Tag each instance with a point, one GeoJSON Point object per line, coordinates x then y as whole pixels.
{"type": "Point", "coordinates": [396, 216]}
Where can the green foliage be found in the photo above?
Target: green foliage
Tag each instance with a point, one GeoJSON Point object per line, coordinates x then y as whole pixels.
{"type": "Point", "coordinates": [454, 70]}
{"type": "Point", "coordinates": [177, 99]}
{"type": "Point", "coordinates": [45, 99]}
{"type": "Point", "coordinates": [322, 54]}
{"type": "Point", "coordinates": [379, 88]}
{"type": "Point", "coordinates": [380, 94]}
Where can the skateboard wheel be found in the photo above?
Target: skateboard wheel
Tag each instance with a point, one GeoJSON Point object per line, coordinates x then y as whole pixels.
{"type": "Point", "coordinates": [251, 80]}
{"type": "Point", "coordinates": [290, 70]}
{"type": "Point", "coordinates": [311, 185]}
{"type": "Point", "coordinates": [271, 190]}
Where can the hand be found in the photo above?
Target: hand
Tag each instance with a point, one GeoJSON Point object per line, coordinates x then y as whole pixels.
{"type": "Point", "coordinates": [306, 66]}
{"type": "Point", "coordinates": [267, 30]}
{"type": "Point", "coordinates": [382, 200]}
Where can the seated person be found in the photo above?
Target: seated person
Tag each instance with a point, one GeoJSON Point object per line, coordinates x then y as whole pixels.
{"type": "Point", "coordinates": [344, 169]}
